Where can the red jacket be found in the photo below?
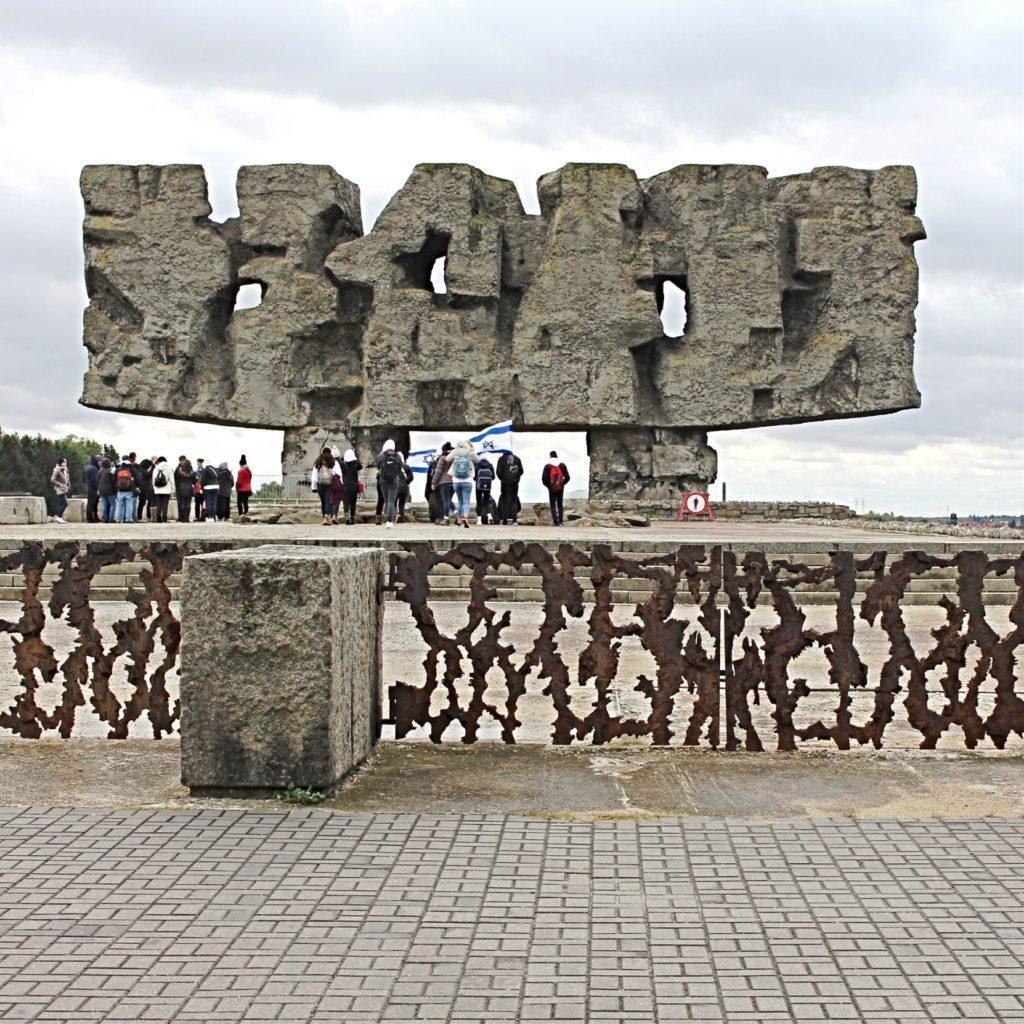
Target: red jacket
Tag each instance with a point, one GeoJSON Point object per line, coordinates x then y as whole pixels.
{"type": "Point", "coordinates": [243, 482]}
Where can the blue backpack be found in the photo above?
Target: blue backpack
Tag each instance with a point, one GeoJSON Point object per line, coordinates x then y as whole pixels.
{"type": "Point", "coordinates": [462, 468]}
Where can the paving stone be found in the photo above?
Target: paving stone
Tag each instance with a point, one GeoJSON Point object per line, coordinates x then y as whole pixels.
{"type": "Point", "coordinates": [204, 915]}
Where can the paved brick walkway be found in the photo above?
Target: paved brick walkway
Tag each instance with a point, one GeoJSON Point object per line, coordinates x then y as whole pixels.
{"type": "Point", "coordinates": [315, 916]}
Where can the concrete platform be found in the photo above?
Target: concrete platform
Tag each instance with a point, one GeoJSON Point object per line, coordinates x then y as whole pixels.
{"type": "Point", "coordinates": [770, 537]}
{"type": "Point", "coordinates": [632, 781]}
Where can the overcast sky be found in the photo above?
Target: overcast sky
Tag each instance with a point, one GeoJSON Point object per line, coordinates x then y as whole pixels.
{"type": "Point", "coordinates": [519, 89]}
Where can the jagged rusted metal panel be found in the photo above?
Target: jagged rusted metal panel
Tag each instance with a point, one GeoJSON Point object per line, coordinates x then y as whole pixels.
{"type": "Point", "coordinates": [696, 617]}
{"type": "Point", "coordinates": [582, 704]}
{"type": "Point", "coordinates": [764, 662]}
{"type": "Point", "coordinates": [758, 664]}
{"type": "Point", "coordinates": [85, 671]}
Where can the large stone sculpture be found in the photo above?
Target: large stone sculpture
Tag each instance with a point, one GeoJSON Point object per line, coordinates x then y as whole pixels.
{"type": "Point", "coordinates": [800, 296]}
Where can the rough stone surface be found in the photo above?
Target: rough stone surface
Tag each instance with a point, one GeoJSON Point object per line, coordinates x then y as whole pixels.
{"type": "Point", "coordinates": [800, 294]}
{"type": "Point", "coordinates": [280, 666]}
{"type": "Point", "coordinates": [75, 512]}
{"type": "Point", "coordinates": [22, 510]}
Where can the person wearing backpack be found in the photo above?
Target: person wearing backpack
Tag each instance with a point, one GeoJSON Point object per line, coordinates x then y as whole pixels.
{"type": "Point", "coordinates": [124, 488]}
{"type": "Point", "coordinates": [390, 474]}
{"type": "Point", "coordinates": [461, 462]}
{"type": "Point", "coordinates": [554, 478]}
{"type": "Point", "coordinates": [210, 481]}
{"type": "Point", "coordinates": [442, 484]}
{"type": "Point", "coordinates": [243, 486]}
{"type": "Point", "coordinates": [184, 485]}
{"type": "Point", "coordinates": [350, 467]}
{"type": "Point", "coordinates": [484, 479]}
{"type": "Point", "coordinates": [163, 484]}
{"type": "Point", "coordinates": [510, 472]}
{"type": "Point", "coordinates": [321, 478]}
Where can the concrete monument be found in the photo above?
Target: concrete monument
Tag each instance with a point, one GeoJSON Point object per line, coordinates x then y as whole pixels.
{"type": "Point", "coordinates": [799, 292]}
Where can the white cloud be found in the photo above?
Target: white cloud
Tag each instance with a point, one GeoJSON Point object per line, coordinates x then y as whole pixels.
{"type": "Point", "coordinates": [373, 89]}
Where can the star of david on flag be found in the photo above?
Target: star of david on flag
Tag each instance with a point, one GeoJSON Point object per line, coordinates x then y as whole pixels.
{"type": "Point", "coordinates": [494, 440]}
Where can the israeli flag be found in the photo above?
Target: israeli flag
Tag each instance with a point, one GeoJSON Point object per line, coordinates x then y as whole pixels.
{"type": "Point", "coordinates": [495, 440]}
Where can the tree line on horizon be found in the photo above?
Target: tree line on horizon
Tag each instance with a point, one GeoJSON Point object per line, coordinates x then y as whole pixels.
{"type": "Point", "coordinates": [26, 462]}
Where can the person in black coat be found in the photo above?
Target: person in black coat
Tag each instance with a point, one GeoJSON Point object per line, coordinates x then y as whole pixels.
{"type": "Point", "coordinates": [484, 478]}
{"type": "Point", "coordinates": [510, 472]}
{"type": "Point", "coordinates": [106, 491]}
{"type": "Point", "coordinates": [350, 467]}
{"type": "Point", "coordinates": [184, 487]}
{"type": "Point", "coordinates": [554, 478]}
{"type": "Point", "coordinates": [92, 494]}
{"type": "Point", "coordinates": [225, 481]}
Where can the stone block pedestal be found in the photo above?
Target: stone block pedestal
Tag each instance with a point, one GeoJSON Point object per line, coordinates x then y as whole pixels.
{"type": "Point", "coordinates": [280, 666]}
{"type": "Point", "coordinates": [21, 510]}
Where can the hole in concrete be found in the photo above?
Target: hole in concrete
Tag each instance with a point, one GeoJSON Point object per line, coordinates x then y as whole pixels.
{"type": "Point", "coordinates": [248, 296]}
{"type": "Point", "coordinates": [764, 399]}
{"type": "Point", "coordinates": [804, 304]}
{"type": "Point", "coordinates": [419, 269]}
{"type": "Point", "coordinates": [672, 300]}
{"type": "Point", "coordinates": [437, 279]}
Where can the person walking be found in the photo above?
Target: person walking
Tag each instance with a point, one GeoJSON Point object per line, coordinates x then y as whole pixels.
{"type": "Point", "coordinates": [390, 474]}
{"type": "Point", "coordinates": [461, 460]}
{"type": "Point", "coordinates": [92, 494]}
{"type": "Point", "coordinates": [554, 477]}
{"type": "Point", "coordinates": [404, 493]}
{"type": "Point", "coordinates": [443, 483]}
{"type": "Point", "coordinates": [324, 470]}
{"type": "Point", "coordinates": [163, 485]}
{"type": "Point", "coordinates": [243, 486]}
{"type": "Point", "coordinates": [431, 496]}
{"type": "Point", "coordinates": [510, 472]}
{"type": "Point", "coordinates": [124, 487]}
{"type": "Point", "coordinates": [198, 494]}
{"type": "Point", "coordinates": [484, 480]}
{"type": "Point", "coordinates": [60, 481]}
{"type": "Point", "coordinates": [106, 491]}
{"type": "Point", "coordinates": [184, 486]}
{"type": "Point", "coordinates": [211, 492]}
{"type": "Point", "coordinates": [350, 467]}
{"type": "Point", "coordinates": [225, 481]}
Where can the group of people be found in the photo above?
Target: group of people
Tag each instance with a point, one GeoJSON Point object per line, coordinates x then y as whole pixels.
{"type": "Point", "coordinates": [131, 490]}
{"type": "Point", "coordinates": [453, 473]}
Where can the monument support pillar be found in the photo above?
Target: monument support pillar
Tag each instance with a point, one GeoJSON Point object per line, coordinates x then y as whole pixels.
{"type": "Point", "coordinates": [280, 666]}
{"type": "Point", "coordinates": [650, 463]}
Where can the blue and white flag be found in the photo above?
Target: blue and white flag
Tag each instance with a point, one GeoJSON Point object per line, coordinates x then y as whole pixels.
{"type": "Point", "coordinates": [495, 440]}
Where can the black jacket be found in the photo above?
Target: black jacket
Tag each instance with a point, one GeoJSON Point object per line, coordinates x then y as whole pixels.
{"type": "Point", "coordinates": [509, 478]}
{"type": "Point", "coordinates": [91, 474]}
{"type": "Point", "coordinates": [105, 482]}
{"type": "Point", "coordinates": [184, 478]}
{"type": "Point", "coordinates": [545, 477]}
{"type": "Point", "coordinates": [485, 465]}
{"type": "Point", "coordinates": [225, 481]}
{"type": "Point", "coordinates": [350, 476]}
